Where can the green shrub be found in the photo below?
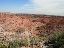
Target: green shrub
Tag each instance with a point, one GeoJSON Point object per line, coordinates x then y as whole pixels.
{"type": "Point", "coordinates": [14, 44]}
{"type": "Point", "coordinates": [57, 39]}
{"type": "Point", "coordinates": [25, 42]}
{"type": "Point", "coordinates": [62, 46]}
{"type": "Point", "coordinates": [33, 41]}
{"type": "Point", "coordinates": [3, 44]}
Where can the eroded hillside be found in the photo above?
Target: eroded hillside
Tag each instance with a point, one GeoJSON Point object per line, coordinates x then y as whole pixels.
{"type": "Point", "coordinates": [33, 24]}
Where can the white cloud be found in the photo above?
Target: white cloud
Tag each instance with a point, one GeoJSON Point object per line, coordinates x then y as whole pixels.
{"type": "Point", "coordinates": [53, 7]}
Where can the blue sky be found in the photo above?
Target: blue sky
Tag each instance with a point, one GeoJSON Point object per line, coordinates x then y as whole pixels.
{"type": "Point", "coordinates": [12, 5]}
{"type": "Point", "coordinates": [53, 7]}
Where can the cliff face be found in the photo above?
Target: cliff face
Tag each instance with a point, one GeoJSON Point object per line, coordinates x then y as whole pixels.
{"type": "Point", "coordinates": [36, 24]}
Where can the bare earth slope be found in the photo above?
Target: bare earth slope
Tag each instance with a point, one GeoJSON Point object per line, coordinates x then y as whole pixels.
{"type": "Point", "coordinates": [35, 24]}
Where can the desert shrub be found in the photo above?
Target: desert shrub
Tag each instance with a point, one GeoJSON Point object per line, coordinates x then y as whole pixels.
{"type": "Point", "coordinates": [62, 46]}
{"type": "Point", "coordinates": [36, 39]}
{"type": "Point", "coordinates": [14, 44]}
{"type": "Point", "coordinates": [33, 41]}
{"type": "Point", "coordinates": [3, 44]}
{"type": "Point", "coordinates": [57, 39]}
{"type": "Point", "coordinates": [25, 42]}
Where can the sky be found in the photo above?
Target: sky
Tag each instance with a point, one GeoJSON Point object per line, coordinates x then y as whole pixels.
{"type": "Point", "coordinates": [51, 7]}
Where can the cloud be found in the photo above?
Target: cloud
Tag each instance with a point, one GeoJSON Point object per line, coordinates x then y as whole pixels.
{"type": "Point", "coordinates": [52, 7]}
{"type": "Point", "coordinates": [55, 7]}
{"type": "Point", "coordinates": [29, 8]}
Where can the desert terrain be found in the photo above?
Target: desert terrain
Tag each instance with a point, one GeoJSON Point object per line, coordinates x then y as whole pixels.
{"type": "Point", "coordinates": [21, 26]}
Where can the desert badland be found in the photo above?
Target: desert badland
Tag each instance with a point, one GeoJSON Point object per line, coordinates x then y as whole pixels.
{"type": "Point", "coordinates": [22, 26]}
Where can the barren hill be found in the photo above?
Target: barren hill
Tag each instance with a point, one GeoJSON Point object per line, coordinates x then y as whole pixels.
{"type": "Point", "coordinates": [36, 24]}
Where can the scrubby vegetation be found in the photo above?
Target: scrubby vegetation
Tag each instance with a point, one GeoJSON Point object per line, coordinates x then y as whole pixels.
{"type": "Point", "coordinates": [56, 39]}
{"type": "Point", "coordinates": [14, 44]}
